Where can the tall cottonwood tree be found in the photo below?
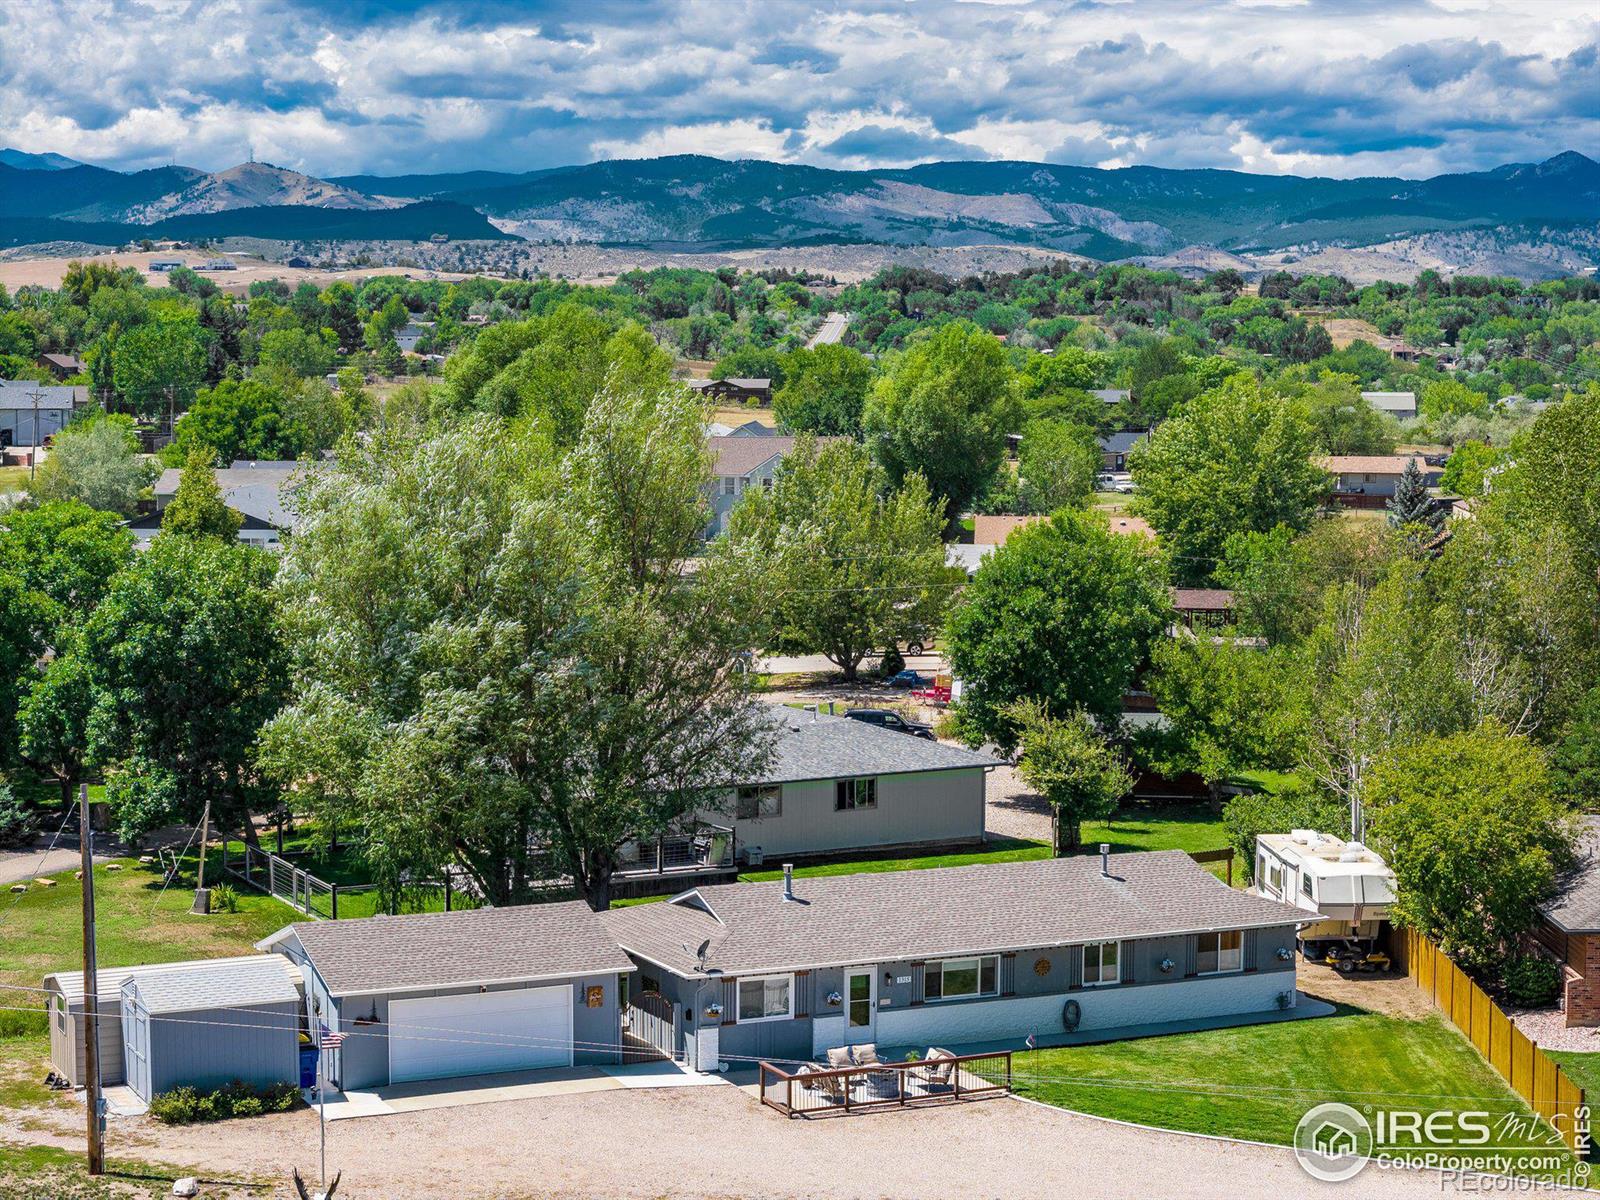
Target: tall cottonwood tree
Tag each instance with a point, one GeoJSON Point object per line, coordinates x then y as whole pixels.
{"type": "Point", "coordinates": [520, 667]}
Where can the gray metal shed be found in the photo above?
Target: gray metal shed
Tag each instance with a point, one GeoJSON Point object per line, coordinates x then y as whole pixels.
{"type": "Point", "coordinates": [66, 1004]}
{"type": "Point", "coordinates": [239, 1020]}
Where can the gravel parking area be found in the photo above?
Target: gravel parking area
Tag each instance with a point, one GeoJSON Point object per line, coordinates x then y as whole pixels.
{"type": "Point", "coordinates": [1012, 810]}
{"type": "Point", "coordinates": [1548, 1028]}
{"type": "Point", "coordinates": [717, 1142]}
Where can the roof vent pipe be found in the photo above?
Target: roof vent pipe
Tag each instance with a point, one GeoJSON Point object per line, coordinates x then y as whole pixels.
{"type": "Point", "coordinates": [1105, 859]}
{"type": "Point", "coordinates": [788, 881]}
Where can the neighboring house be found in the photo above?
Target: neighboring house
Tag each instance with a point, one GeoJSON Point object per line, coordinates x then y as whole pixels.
{"type": "Point", "coordinates": [994, 530]}
{"type": "Point", "coordinates": [1372, 475]}
{"type": "Point", "coordinates": [32, 412]}
{"type": "Point", "coordinates": [1136, 526]}
{"type": "Point", "coordinates": [239, 1020]}
{"type": "Point", "coordinates": [1200, 608]}
{"type": "Point", "coordinates": [1110, 396]}
{"type": "Point", "coordinates": [1115, 447]}
{"type": "Point", "coordinates": [754, 428]}
{"type": "Point", "coordinates": [746, 391]}
{"type": "Point", "coordinates": [741, 462]}
{"type": "Point", "coordinates": [968, 556]}
{"type": "Point", "coordinates": [953, 955]}
{"type": "Point", "coordinates": [439, 995]}
{"type": "Point", "coordinates": [1569, 929]}
{"type": "Point", "coordinates": [839, 785]}
{"type": "Point", "coordinates": [65, 993]}
{"type": "Point", "coordinates": [62, 366]}
{"type": "Point", "coordinates": [254, 490]}
{"type": "Point", "coordinates": [1402, 406]}
{"type": "Point", "coordinates": [412, 333]}
{"type": "Point", "coordinates": [165, 264]}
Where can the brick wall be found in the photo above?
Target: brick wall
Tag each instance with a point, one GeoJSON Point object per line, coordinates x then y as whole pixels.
{"type": "Point", "coordinates": [1583, 979]}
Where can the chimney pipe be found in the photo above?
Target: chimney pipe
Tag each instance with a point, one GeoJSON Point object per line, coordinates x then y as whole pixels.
{"type": "Point", "coordinates": [788, 881]}
{"type": "Point", "coordinates": [1105, 858]}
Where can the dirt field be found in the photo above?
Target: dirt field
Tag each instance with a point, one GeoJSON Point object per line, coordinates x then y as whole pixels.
{"type": "Point", "coordinates": [48, 272]}
{"type": "Point", "coordinates": [1391, 994]}
{"type": "Point", "coordinates": [1344, 330]}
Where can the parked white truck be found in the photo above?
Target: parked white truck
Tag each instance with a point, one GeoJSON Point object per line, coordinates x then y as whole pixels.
{"type": "Point", "coordinates": [1344, 887]}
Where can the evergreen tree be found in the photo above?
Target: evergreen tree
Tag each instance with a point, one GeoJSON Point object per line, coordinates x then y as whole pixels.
{"type": "Point", "coordinates": [198, 510]}
{"type": "Point", "coordinates": [1411, 504]}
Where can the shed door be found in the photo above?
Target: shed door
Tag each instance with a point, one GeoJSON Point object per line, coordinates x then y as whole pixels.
{"type": "Point", "coordinates": [437, 1037]}
{"type": "Point", "coordinates": [136, 1047]}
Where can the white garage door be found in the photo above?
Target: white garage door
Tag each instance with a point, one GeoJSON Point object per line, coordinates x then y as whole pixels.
{"type": "Point", "coordinates": [437, 1037]}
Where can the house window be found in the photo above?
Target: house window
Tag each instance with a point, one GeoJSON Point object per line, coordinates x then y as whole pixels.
{"type": "Point", "coordinates": [765, 998]}
{"type": "Point", "coordinates": [729, 485]}
{"type": "Point", "coordinates": [1100, 963]}
{"type": "Point", "coordinates": [766, 483]}
{"type": "Point", "coordinates": [61, 1013]}
{"type": "Point", "coordinates": [961, 978]}
{"type": "Point", "coordinates": [649, 983]}
{"type": "Point", "coordinates": [753, 803]}
{"type": "Point", "coordinates": [1218, 952]}
{"type": "Point", "coordinates": [849, 794]}
{"type": "Point", "coordinates": [1305, 886]}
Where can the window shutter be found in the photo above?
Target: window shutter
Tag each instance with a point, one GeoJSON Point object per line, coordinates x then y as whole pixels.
{"type": "Point", "coordinates": [730, 1001]}
{"type": "Point", "coordinates": [802, 994]}
{"type": "Point", "coordinates": [1251, 937]}
{"type": "Point", "coordinates": [1125, 961]}
{"type": "Point", "coordinates": [919, 980]}
{"type": "Point", "coordinates": [1191, 953]}
{"type": "Point", "coordinates": [1074, 968]}
{"type": "Point", "coordinates": [1008, 974]}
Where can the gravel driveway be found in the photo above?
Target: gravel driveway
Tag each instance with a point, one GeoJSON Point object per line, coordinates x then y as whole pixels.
{"type": "Point", "coordinates": [1013, 809]}
{"type": "Point", "coordinates": [717, 1142]}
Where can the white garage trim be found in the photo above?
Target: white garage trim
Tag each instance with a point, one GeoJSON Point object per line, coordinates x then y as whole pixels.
{"type": "Point", "coordinates": [480, 1033]}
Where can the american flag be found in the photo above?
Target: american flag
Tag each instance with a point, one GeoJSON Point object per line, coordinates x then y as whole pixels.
{"type": "Point", "coordinates": [1032, 1044]}
{"type": "Point", "coordinates": [328, 1039]}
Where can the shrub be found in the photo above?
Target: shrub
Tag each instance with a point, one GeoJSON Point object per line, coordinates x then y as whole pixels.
{"type": "Point", "coordinates": [892, 663]}
{"type": "Point", "coordinates": [186, 1106]}
{"type": "Point", "coordinates": [17, 826]}
{"type": "Point", "coordinates": [224, 899]}
{"type": "Point", "coordinates": [1532, 982]}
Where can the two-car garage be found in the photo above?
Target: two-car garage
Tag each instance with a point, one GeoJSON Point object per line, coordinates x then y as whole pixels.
{"type": "Point", "coordinates": [443, 995]}
{"type": "Point", "coordinates": [437, 1037]}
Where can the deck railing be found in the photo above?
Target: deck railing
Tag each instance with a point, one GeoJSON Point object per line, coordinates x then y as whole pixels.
{"type": "Point", "coordinates": [706, 847]}
{"type": "Point", "coordinates": [816, 1091]}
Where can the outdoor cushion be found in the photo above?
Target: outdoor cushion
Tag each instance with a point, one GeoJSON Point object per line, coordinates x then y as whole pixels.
{"type": "Point", "coordinates": [839, 1057]}
{"type": "Point", "coordinates": [865, 1055]}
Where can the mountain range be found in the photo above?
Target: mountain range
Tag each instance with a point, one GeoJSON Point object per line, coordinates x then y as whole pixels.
{"type": "Point", "coordinates": [692, 202]}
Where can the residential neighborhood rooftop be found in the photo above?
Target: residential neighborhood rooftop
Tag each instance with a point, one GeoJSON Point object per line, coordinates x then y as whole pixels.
{"type": "Point", "coordinates": [481, 946]}
{"type": "Point", "coordinates": [897, 915]}
{"type": "Point", "coordinates": [1372, 464]}
{"type": "Point", "coordinates": [245, 981]}
{"type": "Point", "coordinates": [1576, 907]}
{"type": "Point", "coordinates": [815, 746]}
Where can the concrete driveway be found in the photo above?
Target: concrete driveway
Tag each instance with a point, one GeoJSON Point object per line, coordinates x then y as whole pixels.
{"type": "Point", "coordinates": [716, 1142]}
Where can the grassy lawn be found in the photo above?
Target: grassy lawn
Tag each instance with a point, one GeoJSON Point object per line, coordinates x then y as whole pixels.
{"type": "Point", "coordinates": [13, 479]}
{"type": "Point", "coordinates": [1191, 827]}
{"type": "Point", "coordinates": [1255, 1082]}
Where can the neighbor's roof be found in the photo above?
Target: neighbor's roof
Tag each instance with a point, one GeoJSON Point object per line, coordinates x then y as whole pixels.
{"type": "Point", "coordinates": [66, 362]}
{"type": "Point", "coordinates": [1132, 525]}
{"type": "Point", "coordinates": [252, 488]}
{"type": "Point", "coordinates": [752, 383]}
{"type": "Point", "coordinates": [1576, 908]}
{"type": "Point", "coordinates": [897, 915]}
{"type": "Point", "coordinates": [737, 455]}
{"type": "Point", "coordinates": [225, 984]}
{"type": "Point", "coordinates": [110, 979]}
{"type": "Point", "coordinates": [1392, 401]}
{"type": "Point", "coordinates": [1202, 599]}
{"type": "Point", "coordinates": [994, 530]}
{"type": "Point", "coordinates": [476, 946]}
{"type": "Point", "coordinates": [813, 746]}
{"type": "Point", "coordinates": [1372, 464]}
{"type": "Point", "coordinates": [18, 393]}
{"type": "Point", "coordinates": [1110, 395]}
{"type": "Point", "coordinates": [966, 555]}
{"type": "Point", "coordinates": [1122, 441]}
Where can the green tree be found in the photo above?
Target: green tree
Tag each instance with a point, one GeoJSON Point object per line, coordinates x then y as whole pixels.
{"type": "Point", "coordinates": [1468, 468]}
{"type": "Point", "coordinates": [1235, 459]}
{"type": "Point", "coordinates": [824, 391]}
{"type": "Point", "coordinates": [65, 551]}
{"type": "Point", "coordinates": [1475, 837]}
{"type": "Point", "coordinates": [197, 509]}
{"type": "Point", "coordinates": [943, 409]}
{"type": "Point", "coordinates": [289, 354]}
{"type": "Point", "coordinates": [1279, 579]}
{"type": "Point", "coordinates": [53, 720]}
{"type": "Point", "coordinates": [1411, 504]}
{"type": "Point", "coordinates": [186, 662]}
{"type": "Point", "coordinates": [1068, 763]}
{"type": "Point", "coordinates": [1064, 613]}
{"type": "Point", "coordinates": [518, 663]}
{"type": "Point", "coordinates": [158, 366]}
{"type": "Point", "coordinates": [95, 461]}
{"type": "Point", "coordinates": [26, 619]}
{"type": "Point", "coordinates": [1057, 465]}
{"type": "Point", "coordinates": [752, 362]}
{"type": "Point", "coordinates": [856, 567]}
{"type": "Point", "coordinates": [1450, 398]}
{"type": "Point", "coordinates": [1296, 806]}
{"type": "Point", "coordinates": [1342, 422]}
{"type": "Point", "coordinates": [1575, 756]}
{"type": "Point", "coordinates": [241, 419]}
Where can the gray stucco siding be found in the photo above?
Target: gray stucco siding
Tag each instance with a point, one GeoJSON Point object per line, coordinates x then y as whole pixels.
{"type": "Point", "coordinates": [925, 806]}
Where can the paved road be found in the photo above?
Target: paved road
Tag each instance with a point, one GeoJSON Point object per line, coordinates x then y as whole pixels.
{"type": "Point", "coordinates": [833, 327]}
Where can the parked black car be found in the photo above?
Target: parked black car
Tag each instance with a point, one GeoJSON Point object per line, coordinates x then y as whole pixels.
{"type": "Point", "coordinates": [887, 719]}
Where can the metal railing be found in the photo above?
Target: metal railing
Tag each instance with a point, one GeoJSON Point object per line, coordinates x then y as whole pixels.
{"type": "Point", "coordinates": [319, 899]}
{"type": "Point", "coordinates": [815, 1091]}
{"type": "Point", "coordinates": [706, 847]}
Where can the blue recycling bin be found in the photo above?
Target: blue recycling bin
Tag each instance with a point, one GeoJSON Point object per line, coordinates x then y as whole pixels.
{"type": "Point", "coordinates": [308, 1066]}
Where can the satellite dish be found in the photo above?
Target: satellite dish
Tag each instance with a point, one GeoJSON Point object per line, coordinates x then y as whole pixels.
{"type": "Point", "coordinates": [702, 951]}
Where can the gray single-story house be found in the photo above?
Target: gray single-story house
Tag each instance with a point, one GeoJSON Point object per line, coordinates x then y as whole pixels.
{"type": "Point", "coordinates": [438, 995]}
{"type": "Point", "coordinates": [66, 1009]}
{"type": "Point", "coordinates": [32, 412]}
{"type": "Point", "coordinates": [955, 955]}
{"type": "Point", "coordinates": [836, 785]}
{"type": "Point", "coordinates": [238, 1020]}
{"type": "Point", "coordinates": [257, 491]}
{"type": "Point", "coordinates": [1115, 448]}
{"type": "Point", "coordinates": [1402, 406]}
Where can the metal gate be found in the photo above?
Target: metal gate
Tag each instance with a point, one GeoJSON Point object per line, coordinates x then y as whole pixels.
{"type": "Point", "coordinates": [650, 1029]}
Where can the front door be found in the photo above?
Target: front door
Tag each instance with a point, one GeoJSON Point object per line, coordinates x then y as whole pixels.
{"type": "Point", "coordinates": [861, 1004]}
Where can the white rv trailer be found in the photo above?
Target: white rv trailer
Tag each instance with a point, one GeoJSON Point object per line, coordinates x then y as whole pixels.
{"type": "Point", "coordinates": [1346, 885]}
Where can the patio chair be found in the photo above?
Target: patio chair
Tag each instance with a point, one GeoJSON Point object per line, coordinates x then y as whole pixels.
{"type": "Point", "coordinates": [937, 1069]}
{"type": "Point", "coordinates": [815, 1076]}
{"type": "Point", "coordinates": [881, 1082]}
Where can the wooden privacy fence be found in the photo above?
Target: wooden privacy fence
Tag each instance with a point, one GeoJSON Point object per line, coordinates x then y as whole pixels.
{"type": "Point", "coordinates": [1532, 1073]}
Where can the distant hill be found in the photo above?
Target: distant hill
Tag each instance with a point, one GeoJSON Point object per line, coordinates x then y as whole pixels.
{"type": "Point", "coordinates": [696, 203]}
{"type": "Point", "coordinates": [24, 161]}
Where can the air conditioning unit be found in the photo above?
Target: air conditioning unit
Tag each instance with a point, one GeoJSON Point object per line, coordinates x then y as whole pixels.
{"type": "Point", "coordinates": [753, 856]}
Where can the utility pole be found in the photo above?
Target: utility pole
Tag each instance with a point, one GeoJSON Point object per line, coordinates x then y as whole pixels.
{"type": "Point", "coordinates": [91, 991]}
{"type": "Point", "coordinates": [202, 895]}
{"type": "Point", "coordinates": [33, 458]}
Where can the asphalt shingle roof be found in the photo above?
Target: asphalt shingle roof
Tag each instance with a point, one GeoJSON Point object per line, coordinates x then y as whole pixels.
{"type": "Point", "coordinates": [897, 915]}
{"type": "Point", "coordinates": [482, 945]}
{"type": "Point", "coordinates": [1576, 908]}
{"type": "Point", "coordinates": [814, 746]}
{"type": "Point", "coordinates": [109, 980]}
{"type": "Point", "coordinates": [235, 983]}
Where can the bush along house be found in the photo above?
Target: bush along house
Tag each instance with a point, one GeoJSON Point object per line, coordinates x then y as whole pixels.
{"type": "Point", "coordinates": [1056, 948]}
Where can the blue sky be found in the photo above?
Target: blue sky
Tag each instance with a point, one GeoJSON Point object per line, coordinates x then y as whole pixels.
{"type": "Point", "coordinates": [1329, 87]}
